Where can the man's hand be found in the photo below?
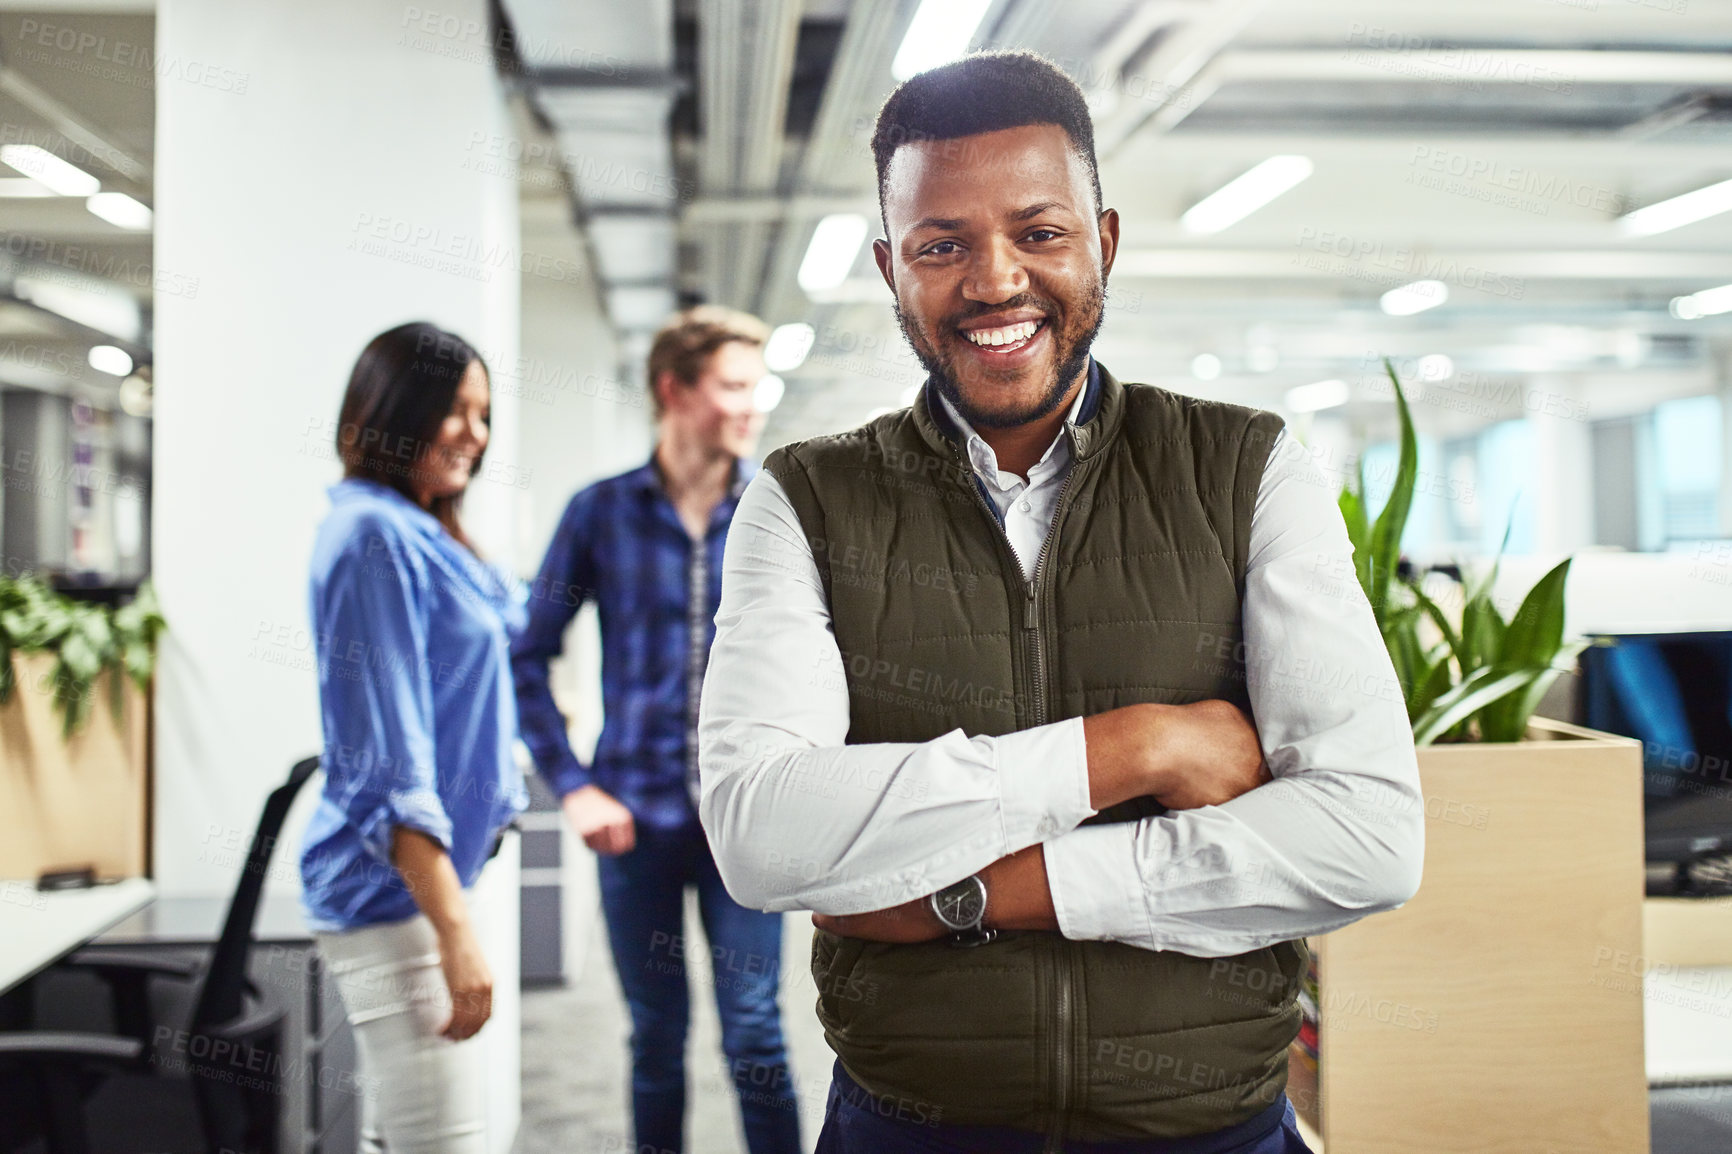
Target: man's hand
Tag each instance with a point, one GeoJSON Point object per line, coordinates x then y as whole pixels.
{"type": "Point", "coordinates": [602, 822]}
{"type": "Point", "coordinates": [904, 924]}
{"type": "Point", "coordinates": [1206, 754]}
{"type": "Point", "coordinates": [1185, 756]}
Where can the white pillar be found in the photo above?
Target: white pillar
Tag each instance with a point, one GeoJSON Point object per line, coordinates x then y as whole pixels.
{"type": "Point", "coordinates": [1563, 466]}
{"type": "Point", "coordinates": [316, 183]}
{"type": "Point", "coordinates": [1723, 382]}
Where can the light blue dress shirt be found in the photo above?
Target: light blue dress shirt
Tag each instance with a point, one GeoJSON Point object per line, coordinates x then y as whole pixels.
{"type": "Point", "coordinates": [413, 638]}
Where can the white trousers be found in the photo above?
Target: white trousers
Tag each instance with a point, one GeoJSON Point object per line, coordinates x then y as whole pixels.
{"type": "Point", "coordinates": [420, 1093]}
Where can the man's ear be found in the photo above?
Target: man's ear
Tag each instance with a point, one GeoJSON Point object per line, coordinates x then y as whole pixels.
{"type": "Point", "coordinates": [886, 267]}
{"type": "Point", "coordinates": [666, 383]}
{"type": "Point", "coordinates": [1109, 240]}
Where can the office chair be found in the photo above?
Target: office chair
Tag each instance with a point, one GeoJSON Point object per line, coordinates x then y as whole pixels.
{"type": "Point", "coordinates": [209, 1084]}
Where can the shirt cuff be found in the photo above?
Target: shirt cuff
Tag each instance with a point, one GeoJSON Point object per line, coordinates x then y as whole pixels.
{"type": "Point", "coordinates": [1043, 782]}
{"type": "Point", "coordinates": [418, 809]}
{"type": "Point", "coordinates": [1096, 890]}
{"type": "Point", "coordinates": [567, 776]}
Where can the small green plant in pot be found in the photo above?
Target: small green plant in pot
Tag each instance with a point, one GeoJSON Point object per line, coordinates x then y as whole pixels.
{"type": "Point", "coordinates": [1480, 677]}
{"type": "Point", "coordinates": [85, 639]}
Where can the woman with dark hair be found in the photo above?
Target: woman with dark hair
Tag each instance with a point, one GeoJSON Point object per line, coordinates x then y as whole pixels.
{"type": "Point", "coordinates": [413, 635]}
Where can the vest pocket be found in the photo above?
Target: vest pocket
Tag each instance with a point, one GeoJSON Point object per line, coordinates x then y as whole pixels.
{"type": "Point", "coordinates": [937, 1032]}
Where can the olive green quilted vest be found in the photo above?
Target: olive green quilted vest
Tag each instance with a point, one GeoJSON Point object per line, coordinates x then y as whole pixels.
{"type": "Point", "coordinates": [1136, 598]}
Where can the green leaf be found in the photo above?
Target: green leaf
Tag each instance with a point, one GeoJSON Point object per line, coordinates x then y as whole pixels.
{"type": "Point", "coordinates": [1438, 618]}
{"type": "Point", "coordinates": [1482, 633]}
{"type": "Point", "coordinates": [1471, 694]}
{"type": "Point", "coordinates": [1537, 629]}
{"type": "Point", "coordinates": [1352, 502]}
{"type": "Point", "coordinates": [1533, 639]}
{"type": "Point", "coordinates": [1431, 686]}
{"type": "Point", "coordinates": [1392, 520]}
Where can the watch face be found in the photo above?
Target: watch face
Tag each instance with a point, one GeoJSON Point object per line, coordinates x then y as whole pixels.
{"type": "Point", "coordinates": [961, 905]}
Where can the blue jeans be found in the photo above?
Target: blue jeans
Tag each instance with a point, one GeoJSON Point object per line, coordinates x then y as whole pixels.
{"type": "Point", "coordinates": [857, 1123]}
{"type": "Point", "coordinates": [642, 897]}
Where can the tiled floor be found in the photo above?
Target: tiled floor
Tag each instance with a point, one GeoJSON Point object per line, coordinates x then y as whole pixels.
{"type": "Point", "coordinates": [575, 1061]}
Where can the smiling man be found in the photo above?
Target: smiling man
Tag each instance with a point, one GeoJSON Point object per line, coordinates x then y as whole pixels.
{"type": "Point", "coordinates": [982, 691]}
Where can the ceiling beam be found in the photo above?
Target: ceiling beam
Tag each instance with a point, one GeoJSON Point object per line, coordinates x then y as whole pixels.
{"type": "Point", "coordinates": [1550, 70]}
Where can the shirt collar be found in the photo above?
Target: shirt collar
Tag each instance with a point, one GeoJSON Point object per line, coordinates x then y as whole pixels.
{"type": "Point", "coordinates": [1081, 409]}
{"type": "Point", "coordinates": [646, 478]}
{"type": "Point", "coordinates": [365, 488]}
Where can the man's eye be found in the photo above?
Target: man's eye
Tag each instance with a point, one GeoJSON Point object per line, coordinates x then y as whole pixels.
{"type": "Point", "coordinates": [1042, 234]}
{"type": "Point", "coordinates": [947, 247]}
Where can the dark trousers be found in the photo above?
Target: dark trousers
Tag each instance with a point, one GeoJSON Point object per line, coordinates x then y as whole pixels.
{"type": "Point", "coordinates": [857, 1123]}
{"type": "Point", "coordinates": [642, 897]}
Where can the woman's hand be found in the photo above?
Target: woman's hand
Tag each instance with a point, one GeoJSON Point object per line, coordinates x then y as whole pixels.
{"type": "Point", "coordinates": [600, 820]}
{"type": "Point", "coordinates": [426, 869]}
{"type": "Point", "coordinates": [469, 979]}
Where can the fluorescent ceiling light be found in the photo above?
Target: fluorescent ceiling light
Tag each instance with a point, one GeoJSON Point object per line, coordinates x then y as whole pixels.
{"type": "Point", "coordinates": [23, 186]}
{"type": "Point", "coordinates": [1239, 198]}
{"type": "Point", "coordinates": [1679, 211]}
{"type": "Point", "coordinates": [1205, 366]}
{"type": "Point", "coordinates": [1317, 395]}
{"type": "Point", "coordinates": [939, 33]}
{"type": "Point", "coordinates": [120, 210]}
{"type": "Point", "coordinates": [45, 167]}
{"type": "Point", "coordinates": [108, 359]}
{"type": "Point", "coordinates": [829, 258]}
{"type": "Point", "coordinates": [106, 309]}
{"type": "Point", "coordinates": [1414, 298]}
{"type": "Point", "coordinates": [767, 393]}
{"type": "Point", "coordinates": [1707, 303]}
{"type": "Point", "coordinates": [788, 347]}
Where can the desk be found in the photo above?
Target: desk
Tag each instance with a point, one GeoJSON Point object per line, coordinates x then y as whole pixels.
{"type": "Point", "coordinates": [198, 921]}
{"type": "Point", "coordinates": [37, 929]}
{"type": "Point", "coordinates": [316, 1039]}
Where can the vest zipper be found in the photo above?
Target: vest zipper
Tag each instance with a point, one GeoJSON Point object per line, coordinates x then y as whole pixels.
{"type": "Point", "coordinates": [1031, 610]}
{"type": "Point", "coordinates": [1065, 1012]}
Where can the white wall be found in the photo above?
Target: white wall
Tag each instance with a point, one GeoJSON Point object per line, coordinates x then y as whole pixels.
{"type": "Point", "coordinates": [319, 186]}
{"type": "Point", "coordinates": [269, 192]}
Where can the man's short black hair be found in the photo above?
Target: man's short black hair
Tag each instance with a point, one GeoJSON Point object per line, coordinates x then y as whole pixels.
{"type": "Point", "coordinates": [984, 92]}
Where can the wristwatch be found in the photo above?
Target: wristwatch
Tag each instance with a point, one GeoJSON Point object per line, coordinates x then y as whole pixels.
{"type": "Point", "coordinates": [962, 909]}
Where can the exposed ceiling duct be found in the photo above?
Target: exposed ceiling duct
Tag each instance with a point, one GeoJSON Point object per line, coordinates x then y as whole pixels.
{"type": "Point", "coordinates": [608, 111]}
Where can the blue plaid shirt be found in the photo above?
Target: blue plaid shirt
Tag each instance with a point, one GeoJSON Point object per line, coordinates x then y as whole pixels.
{"type": "Point", "coordinates": [621, 543]}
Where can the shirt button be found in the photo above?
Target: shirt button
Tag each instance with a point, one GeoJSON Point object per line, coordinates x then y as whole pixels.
{"type": "Point", "coordinates": [1024, 506]}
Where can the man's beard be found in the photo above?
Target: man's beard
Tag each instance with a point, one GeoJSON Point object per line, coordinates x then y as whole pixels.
{"type": "Point", "coordinates": [1073, 358]}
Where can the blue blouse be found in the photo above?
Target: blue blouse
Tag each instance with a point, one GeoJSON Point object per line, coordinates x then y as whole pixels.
{"type": "Point", "coordinates": [413, 639]}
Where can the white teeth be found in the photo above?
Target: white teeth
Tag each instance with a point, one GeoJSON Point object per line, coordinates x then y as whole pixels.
{"type": "Point", "coordinates": [1008, 335]}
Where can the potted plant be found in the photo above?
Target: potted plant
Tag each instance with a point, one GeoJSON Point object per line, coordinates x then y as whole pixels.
{"type": "Point", "coordinates": [73, 776]}
{"type": "Point", "coordinates": [1501, 1008]}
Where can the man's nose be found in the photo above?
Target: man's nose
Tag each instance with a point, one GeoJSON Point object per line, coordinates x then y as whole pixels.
{"type": "Point", "coordinates": [995, 274]}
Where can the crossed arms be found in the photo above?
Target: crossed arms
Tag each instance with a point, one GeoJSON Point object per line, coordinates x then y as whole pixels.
{"type": "Point", "coordinates": [800, 820]}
